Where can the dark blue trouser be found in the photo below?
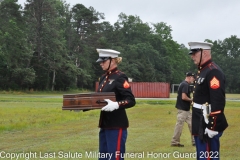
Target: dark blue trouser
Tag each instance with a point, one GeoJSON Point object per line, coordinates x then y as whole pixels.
{"type": "Point", "coordinates": [112, 141]}
{"type": "Point", "coordinates": [208, 150]}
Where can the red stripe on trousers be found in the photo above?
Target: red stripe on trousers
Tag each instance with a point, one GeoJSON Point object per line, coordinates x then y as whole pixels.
{"type": "Point", "coordinates": [208, 151]}
{"type": "Point", "coordinates": [119, 144]}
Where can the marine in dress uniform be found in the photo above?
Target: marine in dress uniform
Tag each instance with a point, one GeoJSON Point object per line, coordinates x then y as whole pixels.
{"type": "Point", "coordinates": [208, 119]}
{"type": "Point", "coordinates": [113, 120]}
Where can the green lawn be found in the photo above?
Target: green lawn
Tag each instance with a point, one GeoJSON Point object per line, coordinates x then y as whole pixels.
{"type": "Point", "coordinates": [34, 126]}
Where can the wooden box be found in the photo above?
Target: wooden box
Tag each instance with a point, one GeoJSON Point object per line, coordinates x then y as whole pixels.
{"type": "Point", "coordinates": [86, 101]}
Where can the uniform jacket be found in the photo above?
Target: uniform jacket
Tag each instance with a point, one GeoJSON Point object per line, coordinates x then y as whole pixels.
{"type": "Point", "coordinates": [117, 82]}
{"type": "Point", "coordinates": [210, 87]}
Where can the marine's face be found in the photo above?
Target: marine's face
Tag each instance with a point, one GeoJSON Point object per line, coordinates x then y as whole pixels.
{"type": "Point", "coordinates": [196, 57]}
{"type": "Point", "coordinates": [105, 64]}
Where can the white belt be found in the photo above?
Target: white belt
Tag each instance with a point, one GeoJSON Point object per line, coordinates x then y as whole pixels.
{"type": "Point", "coordinates": [199, 106]}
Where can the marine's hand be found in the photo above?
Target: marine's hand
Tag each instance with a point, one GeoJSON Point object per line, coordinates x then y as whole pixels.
{"type": "Point", "coordinates": [110, 106]}
{"type": "Point", "coordinates": [210, 133]}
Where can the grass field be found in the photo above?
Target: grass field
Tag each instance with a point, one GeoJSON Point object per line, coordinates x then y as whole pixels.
{"type": "Point", "coordinates": [34, 126]}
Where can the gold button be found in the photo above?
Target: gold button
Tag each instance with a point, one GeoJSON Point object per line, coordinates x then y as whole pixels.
{"type": "Point", "coordinates": [212, 117]}
{"type": "Point", "coordinates": [212, 122]}
{"type": "Point", "coordinates": [211, 127]}
{"type": "Point", "coordinates": [198, 71]}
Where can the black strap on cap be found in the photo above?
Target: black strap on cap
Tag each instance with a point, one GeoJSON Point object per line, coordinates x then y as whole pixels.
{"type": "Point", "coordinates": [200, 59]}
{"type": "Point", "coordinates": [109, 63]}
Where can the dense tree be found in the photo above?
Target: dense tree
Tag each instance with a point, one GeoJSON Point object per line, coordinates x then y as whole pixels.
{"type": "Point", "coordinates": [44, 21]}
{"type": "Point", "coordinates": [85, 23]}
{"type": "Point", "coordinates": [48, 45]}
{"type": "Point", "coordinates": [16, 72]}
{"type": "Point", "coordinates": [227, 54]}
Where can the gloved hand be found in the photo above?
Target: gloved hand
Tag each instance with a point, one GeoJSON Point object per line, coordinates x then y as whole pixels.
{"type": "Point", "coordinates": [210, 133]}
{"type": "Point", "coordinates": [110, 106]}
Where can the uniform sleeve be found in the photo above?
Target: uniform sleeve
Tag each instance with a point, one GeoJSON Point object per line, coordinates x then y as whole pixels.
{"type": "Point", "coordinates": [216, 82]}
{"type": "Point", "coordinates": [124, 91]}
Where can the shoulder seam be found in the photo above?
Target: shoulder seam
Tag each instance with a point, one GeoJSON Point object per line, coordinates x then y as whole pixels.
{"type": "Point", "coordinates": [212, 66]}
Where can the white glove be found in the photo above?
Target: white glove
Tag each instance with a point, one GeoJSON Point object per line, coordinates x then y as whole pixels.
{"type": "Point", "coordinates": [210, 133]}
{"type": "Point", "coordinates": [110, 106]}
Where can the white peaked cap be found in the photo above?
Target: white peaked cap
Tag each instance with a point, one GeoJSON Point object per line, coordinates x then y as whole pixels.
{"type": "Point", "coordinates": [108, 53]}
{"type": "Point", "coordinates": [200, 45]}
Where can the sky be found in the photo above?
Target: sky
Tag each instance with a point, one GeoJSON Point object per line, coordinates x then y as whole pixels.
{"type": "Point", "coordinates": [190, 20]}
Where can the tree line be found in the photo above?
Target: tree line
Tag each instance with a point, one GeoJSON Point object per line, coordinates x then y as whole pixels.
{"type": "Point", "coordinates": [48, 45]}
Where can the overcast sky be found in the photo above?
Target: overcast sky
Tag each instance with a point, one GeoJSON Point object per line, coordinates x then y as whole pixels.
{"type": "Point", "coordinates": [191, 20]}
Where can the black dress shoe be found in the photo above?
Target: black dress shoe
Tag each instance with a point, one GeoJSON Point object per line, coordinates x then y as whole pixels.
{"type": "Point", "coordinates": [177, 145]}
{"type": "Point", "coordinates": [193, 144]}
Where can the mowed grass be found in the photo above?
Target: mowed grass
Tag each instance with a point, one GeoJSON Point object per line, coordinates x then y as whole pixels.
{"type": "Point", "coordinates": [36, 124]}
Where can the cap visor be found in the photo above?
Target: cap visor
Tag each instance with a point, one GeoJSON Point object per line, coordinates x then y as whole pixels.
{"type": "Point", "coordinates": [101, 59]}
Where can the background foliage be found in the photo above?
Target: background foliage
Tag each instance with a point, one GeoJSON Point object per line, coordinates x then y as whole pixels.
{"type": "Point", "coordinates": [48, 45]}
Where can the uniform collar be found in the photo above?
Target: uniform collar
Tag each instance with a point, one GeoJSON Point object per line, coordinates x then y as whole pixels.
{"type": "Point", "coordinates": [205, 64]}
{"type": "Point", "coordinates": [112, 71]}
